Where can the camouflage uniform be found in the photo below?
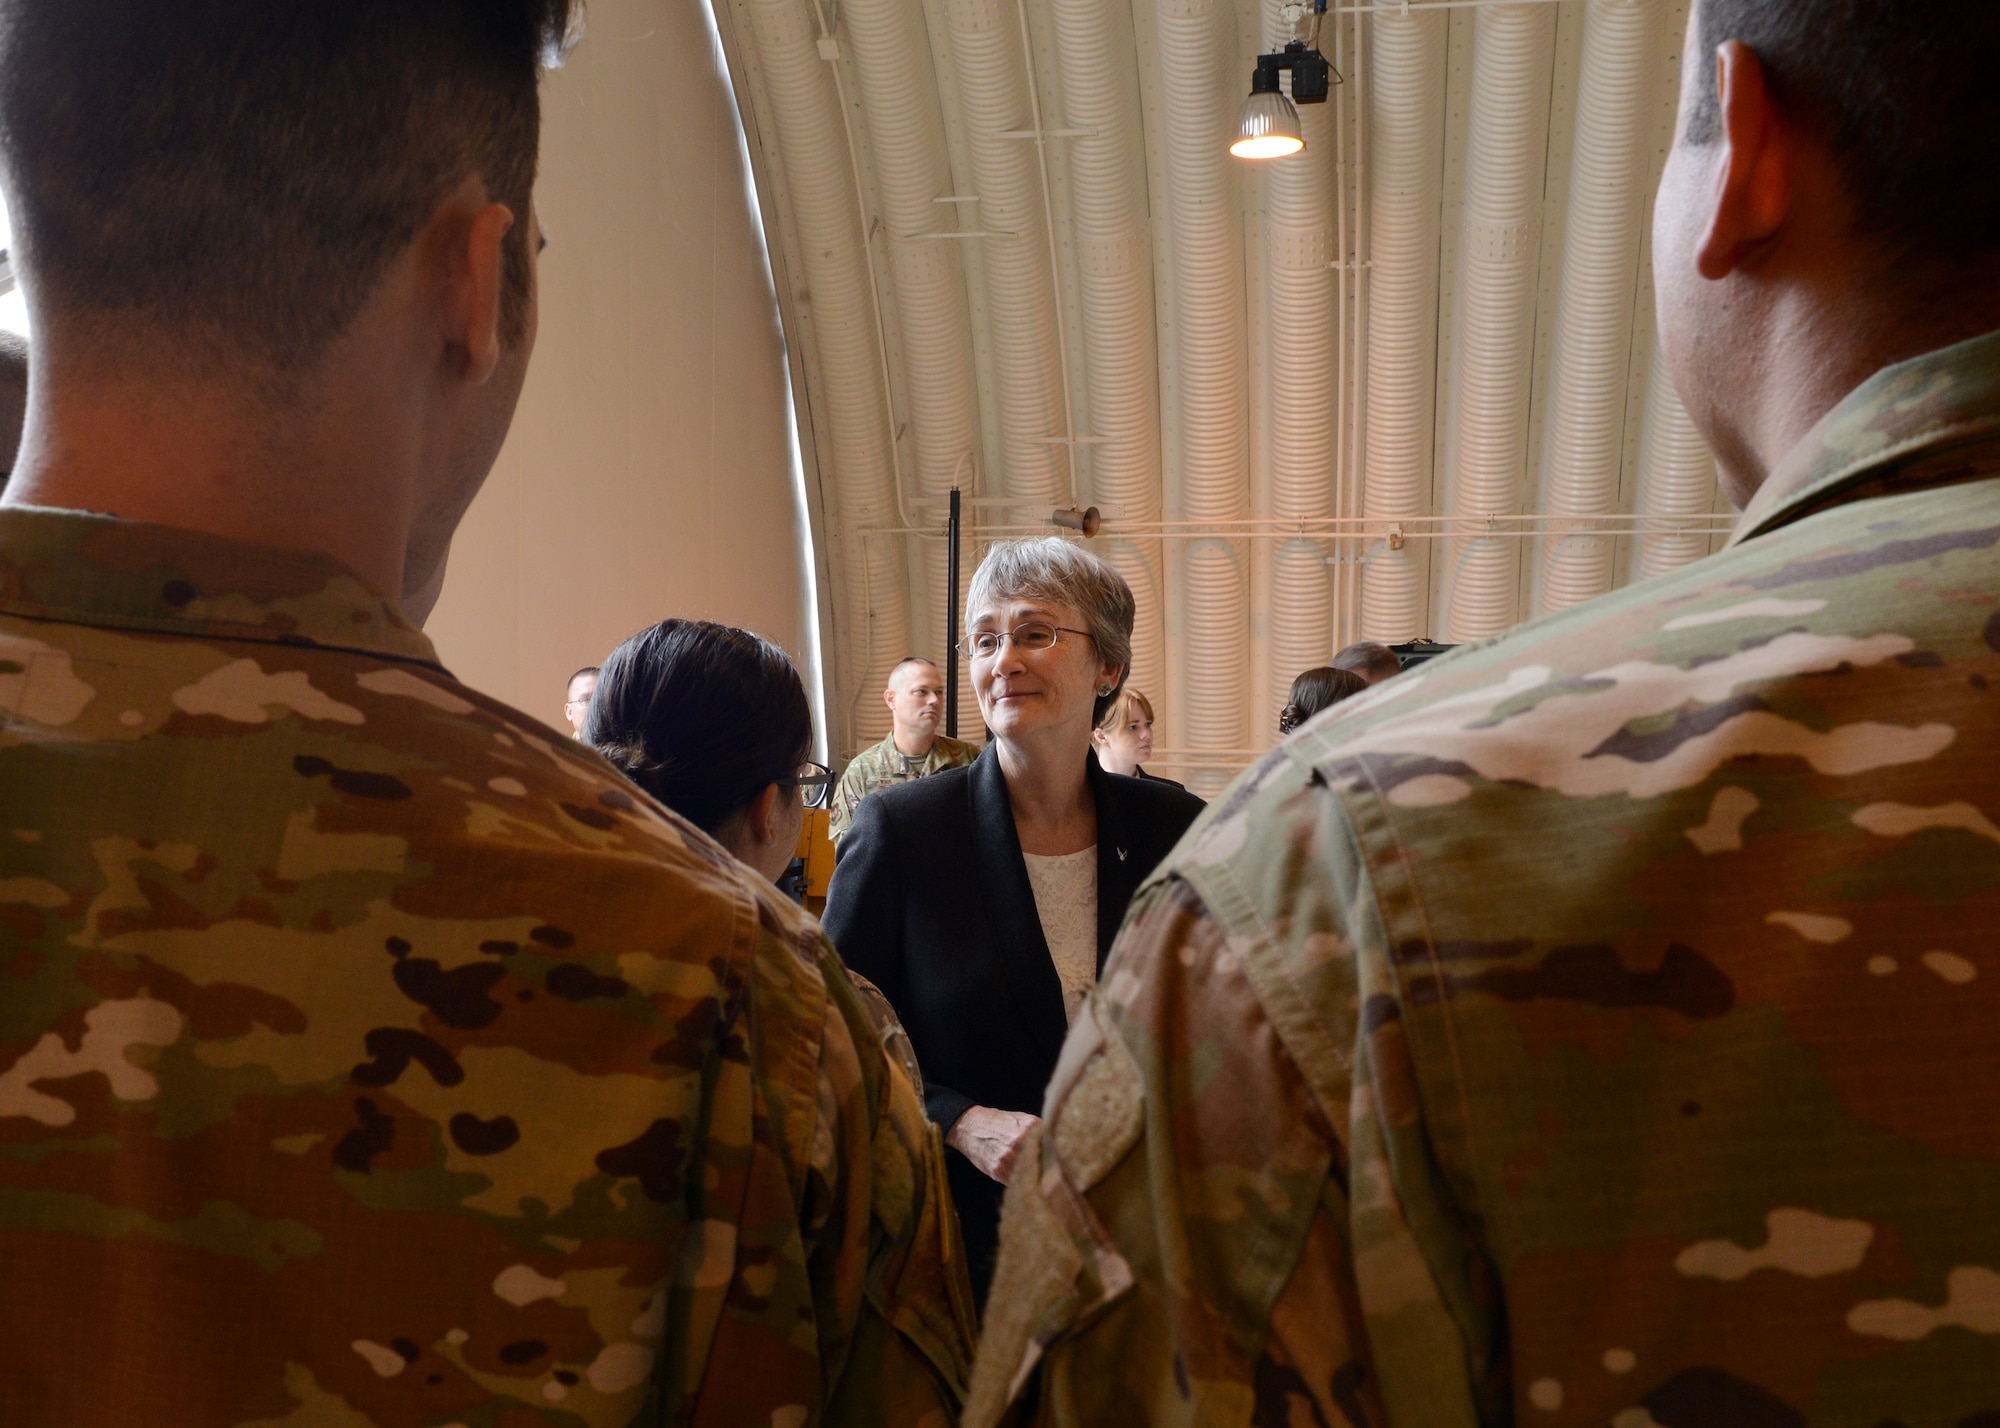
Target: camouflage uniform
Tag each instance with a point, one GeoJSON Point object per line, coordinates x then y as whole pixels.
{"type": "Point", "coordinates": [883, 767]}
{"type": "Point", "coordinates": [1594, 1027]}
{"type": "Point", "coordinates": [372, 1055]}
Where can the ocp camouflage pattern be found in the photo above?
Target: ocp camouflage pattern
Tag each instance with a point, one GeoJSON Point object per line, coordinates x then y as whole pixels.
{"type": "Point", "coordinates": [882, 766]}
{"type": "Point", "coordinates": [1594, 1027]}
{"type": "Point", "coordinates": [372, 1057]}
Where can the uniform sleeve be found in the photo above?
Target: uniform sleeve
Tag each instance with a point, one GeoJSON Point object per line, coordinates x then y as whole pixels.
{"type": "Point", "coordinates": [825, 1280]}
{"type": "Point", "coordinates": [909, 1359]}
{"type": "Point", "coordinates": [847, 796]}
{"type": "Point", "coordinates": [1210, 1227]}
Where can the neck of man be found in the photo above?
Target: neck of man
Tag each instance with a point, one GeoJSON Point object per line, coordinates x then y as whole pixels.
{"type": "Point", "coordinates": [132, 427]}
{"type": "Point", "coordinates": [914, 743]}
{"type": "Point", "coordinates": [1823, 339]}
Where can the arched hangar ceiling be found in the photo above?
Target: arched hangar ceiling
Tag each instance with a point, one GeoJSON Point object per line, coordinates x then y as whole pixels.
{"type": "Point", "coordinates": [1400, 384]}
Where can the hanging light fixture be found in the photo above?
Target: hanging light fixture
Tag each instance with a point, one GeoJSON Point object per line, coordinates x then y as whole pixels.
{"type": "Point", "coordinates": [1269, 127]}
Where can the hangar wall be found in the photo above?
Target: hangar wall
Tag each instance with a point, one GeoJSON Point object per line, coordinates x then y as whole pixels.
{"type": "Point", "coordinates": [1400, 384]}
{"type": "Point", "coordinates": [650, 471]}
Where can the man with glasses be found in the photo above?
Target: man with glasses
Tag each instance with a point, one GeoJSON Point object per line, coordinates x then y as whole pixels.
{"type": "Point", "coordinates": [576, 701]}
{"type": "Point", "coordinates": [914, 749]}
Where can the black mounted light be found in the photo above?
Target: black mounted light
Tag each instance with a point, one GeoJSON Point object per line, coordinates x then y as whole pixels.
{"type": "Point", "coordinates": [1269, 128]}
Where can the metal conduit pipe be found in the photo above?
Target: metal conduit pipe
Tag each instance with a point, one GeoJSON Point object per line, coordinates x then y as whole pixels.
{"type": "Point", "coordinates": [1021, 313]}
{"type": "Point", "coordinates": [1676, 476]}
{"type": "Point", "coordinates": [1594, 310]}
{"type": "Point", "coordinates": [840, 330]}
{"type": "Point", "coordinates": [898, 91]}
{"type": "Point", "coordinates": [1503, 195]}
{"type": "Point", "coordinates": [1407, 158]}
{"type": "Point", "coordinates": [1115, 288]}
{"type": "Point", "coordinates": [1299, 369]}
{"type": "Point", "coordinates": [1201, 79]}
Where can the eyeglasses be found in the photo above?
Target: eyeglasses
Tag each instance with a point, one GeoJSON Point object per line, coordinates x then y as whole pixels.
{"type": "Point", "coordinates": [1030, 638]}
{"type": "Point", "coordinates": [812, 781]}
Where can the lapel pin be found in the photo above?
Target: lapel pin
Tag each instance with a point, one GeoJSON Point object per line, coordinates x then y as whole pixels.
{"type": "Point", "coordinates": [1121, 855]}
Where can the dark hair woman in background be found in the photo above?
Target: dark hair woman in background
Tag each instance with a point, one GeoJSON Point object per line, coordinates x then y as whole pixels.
{"type": "Point", "coordinates": [1315, 690]}
{"type": "Point", "coordinates": [713, 722]}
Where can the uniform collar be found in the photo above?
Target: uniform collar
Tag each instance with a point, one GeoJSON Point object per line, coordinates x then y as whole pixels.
{"type": "Point", "coordinates": [89, 569]}
{"type": "Point", "coordinates": [1896, 431]}
{"type": "Point", "coordinates": [898, 759]}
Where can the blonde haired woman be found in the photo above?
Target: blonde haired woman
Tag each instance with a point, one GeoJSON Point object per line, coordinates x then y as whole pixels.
{"type": "Point", "coordinates": [1123, 738]}
{"type": "Point", "coordinates": [982, 900]}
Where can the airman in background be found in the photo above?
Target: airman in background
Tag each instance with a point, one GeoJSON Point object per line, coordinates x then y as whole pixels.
{"type": "Point", "coordinates": [1373, 662]}
{"type": "Point", "coordinates": [577, 696]}
{"type": "Point", "coordinates": [368, 1054]}
{"type": "Point", "coordinates": [914, 748]}
{"type": "Point", "coordinates": [1595, 1026]}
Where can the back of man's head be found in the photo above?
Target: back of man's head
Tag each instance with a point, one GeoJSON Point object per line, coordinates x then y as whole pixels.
{"type": "Point", "coordinates": [1373, 662]}
{"type": "Point", "coordinates": [229, 179]}
{"type": "Point", "coordinates": [1903, 93]}
{"type": "Point", "coordinates": [910, 667]}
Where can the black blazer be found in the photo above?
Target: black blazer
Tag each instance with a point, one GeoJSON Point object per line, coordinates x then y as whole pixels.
{"type": "Point", "coordinates": [931, 902]}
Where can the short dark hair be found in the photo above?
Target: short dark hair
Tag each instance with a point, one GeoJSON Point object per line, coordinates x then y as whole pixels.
{"type": "Point", "coordinates": [587, 669]}
{"type": "Point", "coordinates": [910, 659]}
{"type": "Point", "coordinates": [1370, 660]}
{"type": "Point", "coordinates": [1903, 92]}
{"type": "Point", "coordinates": [1315, 690]}
{"type": "Point", "coordinates": [702, 716]}
{"type": "Point", "coordinates": [240, 173]}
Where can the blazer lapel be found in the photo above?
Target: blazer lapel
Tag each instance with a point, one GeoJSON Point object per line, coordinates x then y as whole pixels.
{"type": "Point", "coordinates": [1119, 864]}
{"type": "Point", "coordinates": [1028, 969]}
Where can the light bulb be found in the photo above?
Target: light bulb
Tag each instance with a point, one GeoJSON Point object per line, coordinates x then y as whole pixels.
{"type": "Point", "coordinates": [1269, 128]}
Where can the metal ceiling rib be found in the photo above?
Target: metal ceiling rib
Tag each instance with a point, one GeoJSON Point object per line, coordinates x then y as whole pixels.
{"type": "Point", "coordinates": [1013, 254]}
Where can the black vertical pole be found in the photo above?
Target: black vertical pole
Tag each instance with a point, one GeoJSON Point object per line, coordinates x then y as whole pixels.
{"type": "Point", "coordinates": [951, 622]}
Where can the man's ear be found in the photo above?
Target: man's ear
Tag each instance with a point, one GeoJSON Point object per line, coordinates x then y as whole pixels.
{"type": "Point", "coordinates": [889, 697]}
{"type": "Point", "coordinates": [465, 240]}
{"type": "Point", "coordinates": [1753, 182]}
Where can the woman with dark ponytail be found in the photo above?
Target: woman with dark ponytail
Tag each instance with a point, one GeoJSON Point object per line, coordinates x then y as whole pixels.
{"type": "Point", "coordinates": [713, 722]}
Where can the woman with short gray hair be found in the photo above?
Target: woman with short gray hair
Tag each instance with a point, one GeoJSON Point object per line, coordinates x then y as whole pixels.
{"type": "Point", "coordinates": [983, 900]}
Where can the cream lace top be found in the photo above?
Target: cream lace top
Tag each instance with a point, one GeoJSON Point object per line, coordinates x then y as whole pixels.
{"type": "Point", "coordinates": [1066, 898]}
